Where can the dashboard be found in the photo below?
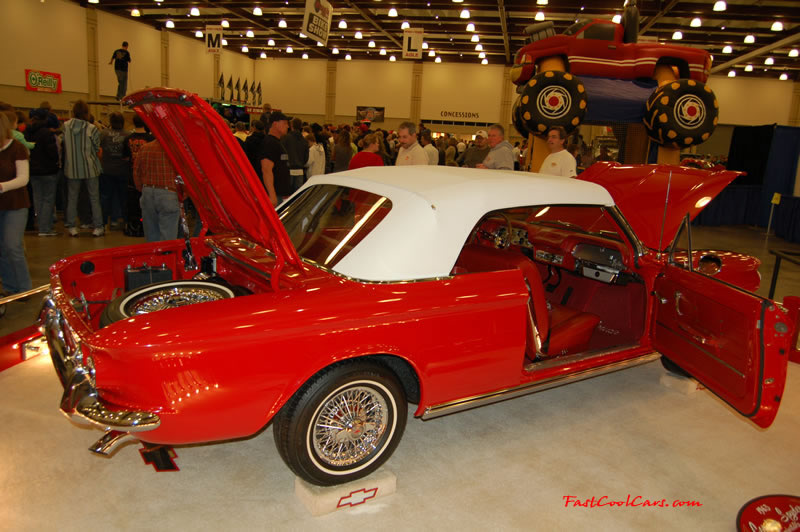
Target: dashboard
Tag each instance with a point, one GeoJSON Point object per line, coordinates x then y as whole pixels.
{"type": "Point", "coordinates": [590, 255]}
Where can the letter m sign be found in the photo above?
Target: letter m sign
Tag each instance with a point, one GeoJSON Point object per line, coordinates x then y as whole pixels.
{"type": "Point", "coordinates": [214, 39]}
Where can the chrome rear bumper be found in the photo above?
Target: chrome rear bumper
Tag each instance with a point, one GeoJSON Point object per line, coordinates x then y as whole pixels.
{"type": "Point", "coordinates": [80, 401]}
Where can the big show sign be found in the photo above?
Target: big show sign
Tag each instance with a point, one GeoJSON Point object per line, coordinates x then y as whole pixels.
{"type": "Point", "coordinates": [40, 81]}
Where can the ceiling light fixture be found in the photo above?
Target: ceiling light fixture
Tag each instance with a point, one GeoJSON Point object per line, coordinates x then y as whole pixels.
{"type": "Point", "coordinates": [257, 11]}
{"type": "Point", "coordinates": [484, 61]}
{"type": "Point", "coordinates": [169, 24]}
{"type": "Point", "coordinates": [425, 46]}
{"type": "Point", "coordinates": [224, 42]}
{"type": "Point", "coordinates": [784, 76]}
{"type": "Point", "coordinates": [383, 51]}
{"type": "Point", "coordinates": [371, 44]}
{"type": "Point", "coordinates": [194, 12]}
{"type": "Point", "coordinates": [305, 56]}
{"type": "Point", "coordinates": [281, 23]}
{"type": "Point", "coordinates": [392, 13]}
{"type": "Point", "coordinates": [777, 26]}
{"type": "Point", "coordinates": [225, 23]}
{"type": "Point", "coordinates": [343, 24]}
{"type": "Point", "coordinates": [437, 60]}
{"type": "Point", "coordinates": [478, 47]}
{"type": "Point", "coordinates": [677, 36]}
{"type": "Point", "coordinates": [198, 34]}
{"type": "Point", "coordinates": [748, 68]}
{"type": "Point", "coordinates": [347, 57]}
{"type": "Point", "coordinates": [470, 27]}
{"type": "Point", "coordinates": [457, 1]}
{"type": "Point", "coordinates": [696, 22]}
{"type": "Point", "coordinates": [335, 51]}
{"type": "Point", "coordinates": [475, 38]}
{"type": "Point", "coordinates": [319, 43]}
{"type": "Point", "coordinates": [431, 54]}
{"type": "Point", "coordinates": [539, 16]}
{"type": "Point", "coordinates": [731, 73]}
{"type": "Point", "coordinates": [250, 34]}
{"type": "Point", "coordinates": [541, 2]}
{"type": "Point", "coordinates": [359, 35]}
{"type": "Point", "coordinates": [245, 49]}
{"type": "Point", "coordinates": [769, 61]}
{"type": "Point", "coordinates": [464, 13]}
{"type": "Point", "coordinates": [135, 13]}
{"type": "Point", "coordinates": [263, 55]}
{"type": "Point", "coordinates": [727, 49]}
{"type": "Point", "coordinates": [794, 52]}
{"type": "Point", "coordinates": [405, 25]}
{"type": "Point", "coordinates": [720, 5]}
{"type": "Point", "coordinates": [270, 42]}
{"type": "Point", "coordinates": [749, 39]}
{"type": "Point", "coordinates": [94, 1]}
{"type": "Point", "coordinates": [392, 58]}
{"type": "Point", "coordinates": [289, 50]}
{"type": "Point", "coordinates": [616, 19]}
{"type": "Point", "coordinates": [482, 55]}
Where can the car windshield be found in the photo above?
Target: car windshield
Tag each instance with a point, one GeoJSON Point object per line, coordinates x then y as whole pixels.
{"type": "Point", "coordinates": [575, 28]}
{"type": "Point", "coordinates": [325, 222]}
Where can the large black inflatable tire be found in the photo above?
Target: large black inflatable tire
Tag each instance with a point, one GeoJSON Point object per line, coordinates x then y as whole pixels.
{"type": "Point", "coordinates": [161, 296]}
{"type": "Point", "coordinates": [516, 118]}
{"type": "Point", "coordinates": [553, 98]}
{"type": "Point", "coordinates": [681, 113]}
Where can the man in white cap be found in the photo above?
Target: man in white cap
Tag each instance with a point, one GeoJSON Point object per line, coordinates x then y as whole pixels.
{"type": "Point", "coordinates": [475, 154]}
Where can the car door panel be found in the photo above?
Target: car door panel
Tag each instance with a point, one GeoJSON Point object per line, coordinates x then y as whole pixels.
{"type": "Point", "coordinates": [727, 338]}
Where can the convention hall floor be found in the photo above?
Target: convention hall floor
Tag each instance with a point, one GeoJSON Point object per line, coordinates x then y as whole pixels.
{"type": "Point", "coordinates": [507, 466]}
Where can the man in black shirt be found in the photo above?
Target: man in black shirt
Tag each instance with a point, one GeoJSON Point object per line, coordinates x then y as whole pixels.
{"type": "Point", "coordinates": [296, 147]}
{"type": "Point", "coordinates": [121, 58]}
{"type": "Point", "coordinates": [275, 167]}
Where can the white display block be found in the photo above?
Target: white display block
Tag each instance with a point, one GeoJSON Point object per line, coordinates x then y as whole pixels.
{"type": "Point", "coordinates": [323, 500]}
{"type": "Point", "coordinates": [684, 385]}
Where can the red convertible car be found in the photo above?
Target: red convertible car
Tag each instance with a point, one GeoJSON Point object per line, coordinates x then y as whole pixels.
{"type": "Point", "coordinates": [369, 290]}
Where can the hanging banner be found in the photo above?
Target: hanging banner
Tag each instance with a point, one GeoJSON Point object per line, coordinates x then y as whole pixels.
{"type": "Point", "coordinates": [214, 39]}
{"type": "Point", "coordinates": [412, 43]}
{"type": "Point", "coordinates": [317, 20]}
{"type": "Point", "coordinates": [369, 114]}
{"type": "Point", "coordinates": [40, 81]}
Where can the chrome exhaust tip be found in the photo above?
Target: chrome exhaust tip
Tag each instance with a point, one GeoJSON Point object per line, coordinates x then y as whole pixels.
{"type": "Point", "coordinates": [110, 440]}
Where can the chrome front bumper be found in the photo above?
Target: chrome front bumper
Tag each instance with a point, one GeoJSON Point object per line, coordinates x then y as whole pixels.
{"type": "Point", "coordinates": [80, 401]}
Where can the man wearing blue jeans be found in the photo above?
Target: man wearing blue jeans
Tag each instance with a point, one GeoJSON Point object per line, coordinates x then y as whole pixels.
{"type": "Point", "coordinates": [82, 165]}
{"type": "Point", "coordinates": [121, 57]}
{"type": "Point", "coordinates": [154, 175]}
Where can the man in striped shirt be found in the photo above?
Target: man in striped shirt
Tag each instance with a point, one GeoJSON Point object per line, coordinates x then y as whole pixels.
{"type": "Point", "coordinates": [154, 176]}
{"type": "Point", "coordinates": [82, 165]}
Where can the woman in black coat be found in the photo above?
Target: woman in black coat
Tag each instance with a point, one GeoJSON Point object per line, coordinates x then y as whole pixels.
{"type": "Point", "coordinates": [44, 165]}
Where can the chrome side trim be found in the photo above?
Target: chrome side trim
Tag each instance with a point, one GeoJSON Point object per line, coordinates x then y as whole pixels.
{"type": "Point", "coordinates": [554, 362]}
{"type": "Point", "coordinates": [110, 440]}
{"type": "Point", "coordinates": [466, 403]}
{"type": "Point", "coordinates": [22, 295]}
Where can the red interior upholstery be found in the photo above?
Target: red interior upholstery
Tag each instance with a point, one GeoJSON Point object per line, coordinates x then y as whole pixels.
{"type": "Point", "coordinates": [562, 330]}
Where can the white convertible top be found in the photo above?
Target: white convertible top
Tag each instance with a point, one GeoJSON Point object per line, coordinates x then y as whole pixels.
{"type": "Point", "coordinates": [434, 208]}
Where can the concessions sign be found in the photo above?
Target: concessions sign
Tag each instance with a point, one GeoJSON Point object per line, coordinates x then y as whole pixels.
{"type": "Point", "coordinates": [317, 20]}
{"type": "Point", "coordinates": [40, 81]}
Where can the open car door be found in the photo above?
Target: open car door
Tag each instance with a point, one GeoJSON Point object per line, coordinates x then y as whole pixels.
{"type": "Point", "coordinates": [734, 342]}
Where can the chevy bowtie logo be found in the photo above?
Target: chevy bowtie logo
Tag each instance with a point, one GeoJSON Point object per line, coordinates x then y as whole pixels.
{"type": "Point", "coordinates": [357, 497]}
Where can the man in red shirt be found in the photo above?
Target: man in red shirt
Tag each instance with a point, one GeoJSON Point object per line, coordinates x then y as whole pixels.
{"type": "Point", "coordinates": [154, 176]}
{"type": "Point", "coordinates": [369, 155]}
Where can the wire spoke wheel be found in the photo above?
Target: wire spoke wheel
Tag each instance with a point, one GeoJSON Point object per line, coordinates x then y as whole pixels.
{"type": "Point", "coordinates": [171, 297]}
{"type": "Point", "coordinates": [349, 426]}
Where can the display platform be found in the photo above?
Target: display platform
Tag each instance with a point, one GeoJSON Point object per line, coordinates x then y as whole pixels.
{"type": "Point", "coordinates": [621, 438]}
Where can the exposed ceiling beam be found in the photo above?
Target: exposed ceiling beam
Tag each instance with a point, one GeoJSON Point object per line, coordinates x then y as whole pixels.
{"type": "Point", "coordinates": [652, 20]}
{"type": "Point", "coordinates": [366, 15]}
{"type": "Point", "coordinates": [501, 10]}
{"type": "Point", "coordinates": [243, 13]}
{"type": "Point", "coordinates": [755, 53]}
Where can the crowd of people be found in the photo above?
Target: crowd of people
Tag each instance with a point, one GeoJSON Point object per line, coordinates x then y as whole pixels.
{"type": "Point", "coordinates": [99, 176]}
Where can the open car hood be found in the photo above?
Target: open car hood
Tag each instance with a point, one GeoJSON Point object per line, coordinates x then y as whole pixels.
{"type": "Point", "coordinates": [216, 173]}
{"type": "Point", "coordinates": [640, 192]}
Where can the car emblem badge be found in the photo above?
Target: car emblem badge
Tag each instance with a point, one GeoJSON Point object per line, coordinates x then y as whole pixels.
{"type": "Point", "coordinates": [354, 498]}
